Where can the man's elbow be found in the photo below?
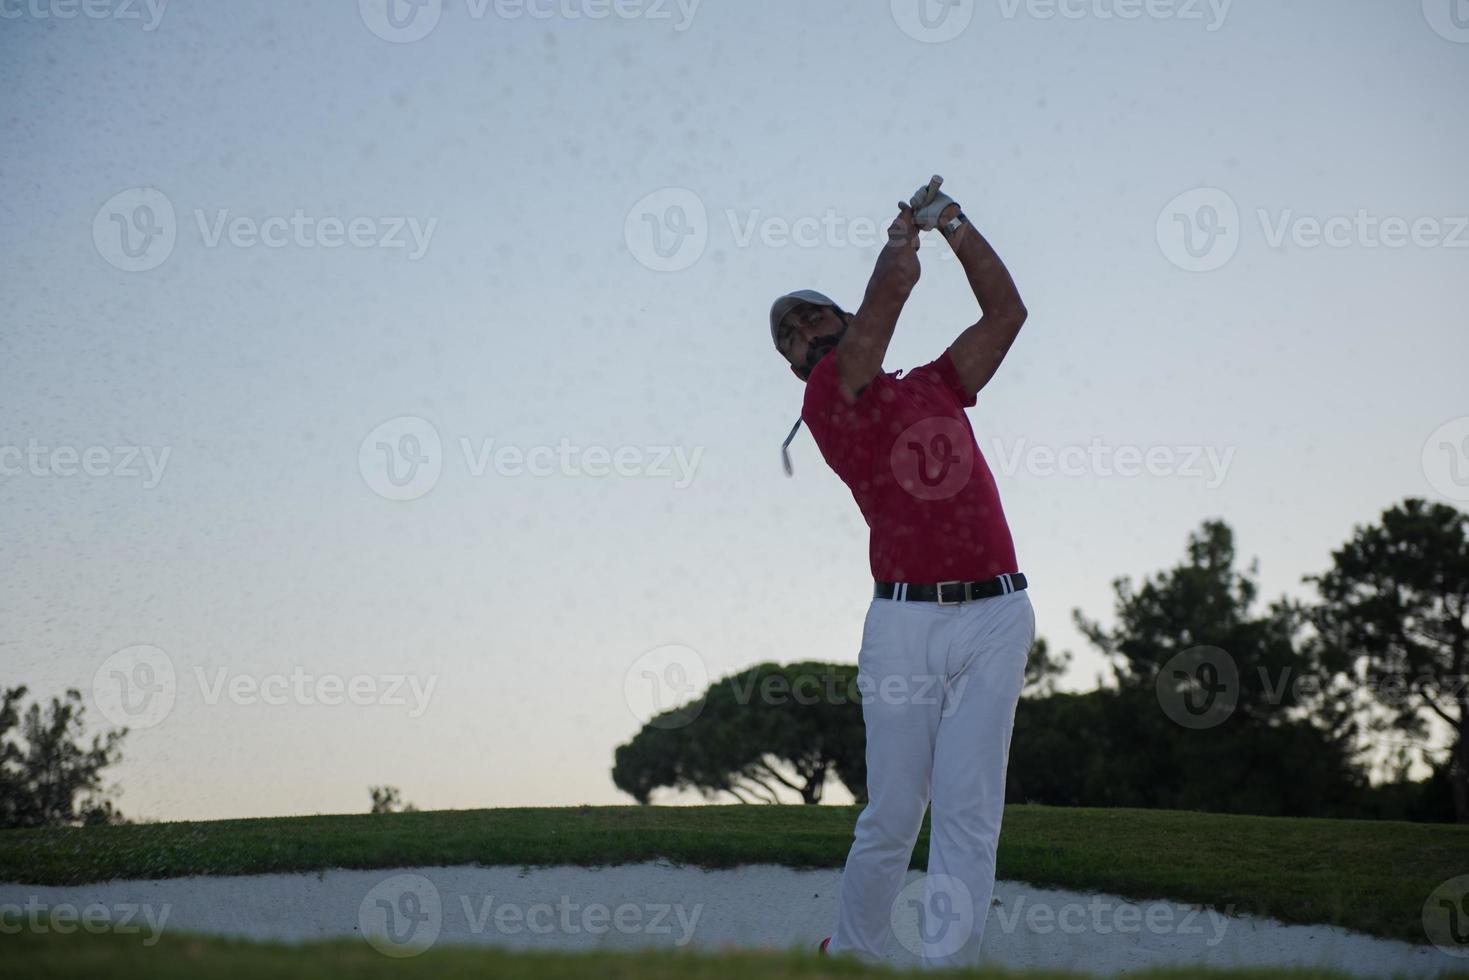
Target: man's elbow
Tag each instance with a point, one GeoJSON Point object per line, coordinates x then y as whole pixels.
{"type": "Point", "coordinates": [1013, 316]}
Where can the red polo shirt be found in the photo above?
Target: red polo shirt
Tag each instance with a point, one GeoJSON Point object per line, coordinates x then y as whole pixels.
{"type": "Point", "coordinates": [907, 453]}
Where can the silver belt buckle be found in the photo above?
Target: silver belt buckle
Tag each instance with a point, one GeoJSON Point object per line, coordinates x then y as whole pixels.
{"type": "Point", "coordinates": [940, 593]}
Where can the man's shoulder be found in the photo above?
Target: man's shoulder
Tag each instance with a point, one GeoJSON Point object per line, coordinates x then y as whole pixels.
{"type": "Point", "coordinates": [824, 385]}
{"type": "Point", "coordinates": [928, 370]}
{"type": "Point", "coordinates": [823, 370]}
{"type": "Point", "coordinates": [942, 373]}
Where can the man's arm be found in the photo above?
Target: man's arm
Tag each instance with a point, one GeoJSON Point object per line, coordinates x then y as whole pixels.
{"type": "Point", "coordinates": [980, 349]}
{"type": "Point", "coordinates": [861, 351]}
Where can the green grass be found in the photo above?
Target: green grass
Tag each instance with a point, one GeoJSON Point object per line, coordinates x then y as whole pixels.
{"type": "Point", "coordinates": [1372, 876]}
{"type": "Point", "coordinates": [88, 957]}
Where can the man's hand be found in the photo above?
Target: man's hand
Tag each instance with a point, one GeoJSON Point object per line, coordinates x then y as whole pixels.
{"type": "Point", "coordinates": [925, 193]}
{"type": "Point", "coordinates": [930, 206]}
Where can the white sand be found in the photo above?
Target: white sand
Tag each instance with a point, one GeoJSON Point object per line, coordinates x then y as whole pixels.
{"type": "Point", "coordinates": [657, 904]}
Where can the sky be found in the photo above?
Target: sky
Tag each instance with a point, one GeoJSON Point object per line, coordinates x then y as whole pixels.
{"type": "Point", "coordinates": [386, 393]}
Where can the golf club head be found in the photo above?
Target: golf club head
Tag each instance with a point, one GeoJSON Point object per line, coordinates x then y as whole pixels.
{"type": "Point", "coordinates": [785, 449]}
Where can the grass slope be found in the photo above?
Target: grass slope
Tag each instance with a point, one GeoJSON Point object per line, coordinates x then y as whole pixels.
{"type": "Point", "coordinates": [87, 957]}
{"type": "Point", "coordinates": [1372, 876]}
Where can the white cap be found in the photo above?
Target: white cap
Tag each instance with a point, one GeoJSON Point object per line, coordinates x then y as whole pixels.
{"type": "Point", "coordinates": [788, 302]}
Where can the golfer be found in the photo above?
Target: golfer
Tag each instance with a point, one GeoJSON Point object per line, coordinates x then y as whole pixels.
{"type": "Point", "coordinates": [950, 626]}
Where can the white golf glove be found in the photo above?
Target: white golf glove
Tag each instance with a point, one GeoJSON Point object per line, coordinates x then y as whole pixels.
{"type": "Point", "coordinates": [928, 204]}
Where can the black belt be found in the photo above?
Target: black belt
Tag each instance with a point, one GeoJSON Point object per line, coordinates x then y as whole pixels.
{"type": "Point", "coordinates": [949, 593]}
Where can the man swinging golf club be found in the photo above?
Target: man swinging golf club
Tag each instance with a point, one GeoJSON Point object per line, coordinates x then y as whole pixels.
{"type": "Point", "coordinates": [950, 625]}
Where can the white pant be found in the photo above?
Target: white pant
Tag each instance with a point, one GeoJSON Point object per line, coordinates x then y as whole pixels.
{"type": "Point", "coordinates": [939, 686]}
